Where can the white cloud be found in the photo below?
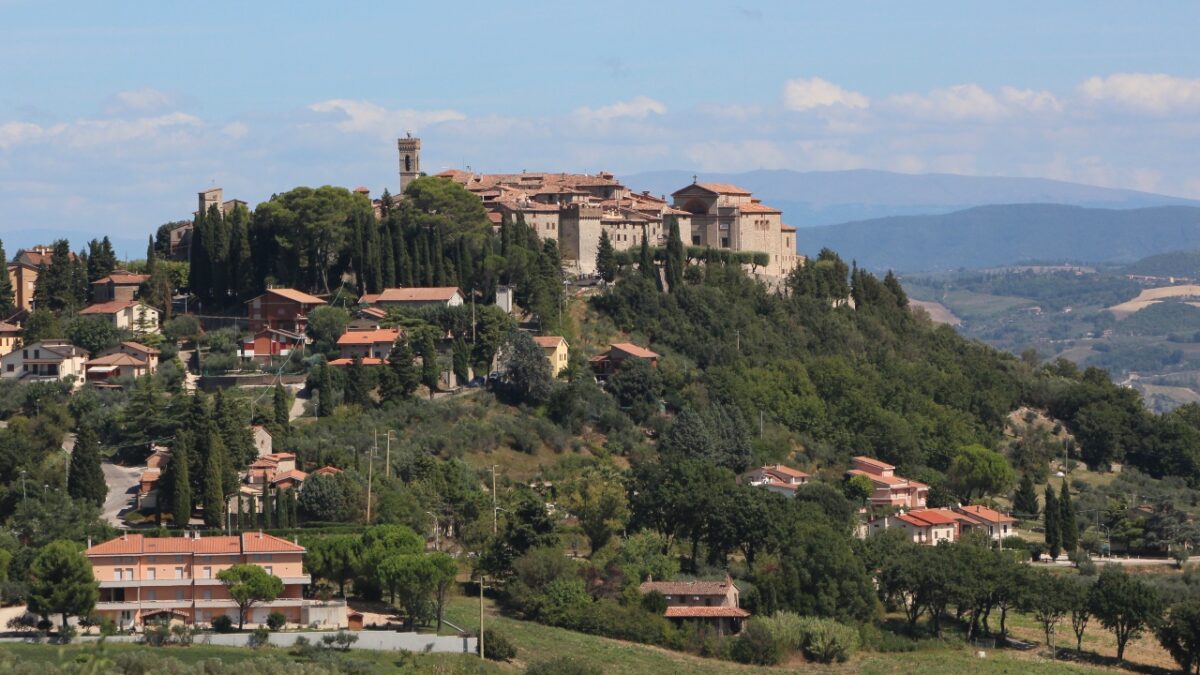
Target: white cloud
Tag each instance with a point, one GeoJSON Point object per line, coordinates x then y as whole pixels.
{"type": "Point", "coordinates": [146, 99]}
{"type": "Point", "coordinates": [1154, 93]}
{"type": "Point", "coordinates": [13, 133]}
{"type": "Point", "coordinates": [960, 102]}
{"type": "Point", "coordinates": [107, 131]}
{"type": "Point", "coordinates": [639, 108]}
{"type": "Point", "coordinates": [235, 129]}
{"type": "Point", "coordinates": [366, 117]}
{"type": "Point", "coordinates": [723, 156]}
{"type": "Point", "coordinates": [801, 94]}
{"type": "Point", "coordinates": [1030, 100]}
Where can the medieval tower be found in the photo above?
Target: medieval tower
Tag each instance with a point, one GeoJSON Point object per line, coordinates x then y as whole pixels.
{"type": "Point", "coordinates": [410, 160]}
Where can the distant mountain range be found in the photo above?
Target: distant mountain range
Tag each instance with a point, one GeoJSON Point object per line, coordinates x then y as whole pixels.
{"type": "Point", "coordinates": [814, 198]}
{"type": "Point", "coordinates": [985, 236]}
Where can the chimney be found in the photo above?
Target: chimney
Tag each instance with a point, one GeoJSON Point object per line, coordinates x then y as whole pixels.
{"type": "Point", "coordinates": [124, 536]}
{"type": "Point", "coordinates": [89, 542]}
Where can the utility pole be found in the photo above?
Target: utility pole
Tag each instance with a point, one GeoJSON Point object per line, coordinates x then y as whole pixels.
{"type": "Point", "coordinates": [495, 507]}
{"type": "Point", "coordinates": [387, 462]}
{"type": "Point", "coordinates": [481, 578]}
{"type": "Point", "coordinates": [472, 316]}
{"type": "Point", "coordinates": [370, 468]}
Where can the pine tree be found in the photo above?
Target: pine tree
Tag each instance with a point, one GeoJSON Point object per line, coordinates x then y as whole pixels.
{"type": "Point", "coordinates": [1053, 517]}
{"type": "Point", "coordinates": [231, 424]}
{"type": "Point", "coordinates": [85, 479]}
{"type": "Point", "coordinates": [101, 259]}
{"type": "Point", "coordinates": [281, 412]}
{"type": "Point", "coordinates": [1025, 501]}
{"type": "Point", "coordinates": [675, 255]}
{"type": "Point", "coordinates": [180, 483]}
{"type": "Point", "coordinates": [55, 288]}
{"type": "Point", "coordinates": [1068, 527]}
{"type": "Point", "coordinates": [214, 483]}
{"type": "Point", "coordinates": [606, 258]}
{"type": "Point", "coordinates": [7, 294]}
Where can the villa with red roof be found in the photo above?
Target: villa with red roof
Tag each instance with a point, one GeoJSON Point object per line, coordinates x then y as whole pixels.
{"type": "Point", "coordinates": [990, 522]}
{"type": "Point", "coordinates": [889, 489]}
{"type": "Point", "coordinates": [711, 602]}
{"type": "Point", "coordinates": [618, 352]}
{"type": "Point", "coordinates": [131, 315]}
{"type": "Point", "coordinates": [368, 344]}
{"type": "Point", "coordinates": [282, 308]}
{"type": "Point", "coordinates": [777, 478]}
{"type": "Point", "coordinates": [120, 285]}
{"type": "Point", "coordinates": [557, 353]}
{"type": "Point", "coordinates": [411, 298]}
{"type": "Point", "coordinates": [147, 578]}
{"type": "Point", "coordinates": [922, 526]}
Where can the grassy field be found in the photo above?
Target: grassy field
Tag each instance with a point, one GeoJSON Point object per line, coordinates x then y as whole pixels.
{"type": "Point", "coordinates": [378, 662]}
{"type": "Point", "coordinates": [976, 306]}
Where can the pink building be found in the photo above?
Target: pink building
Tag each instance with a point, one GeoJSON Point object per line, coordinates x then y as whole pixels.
{"type": "Point", "coordinates": [147, 578]}
{"type": "Point", "coordinates": [890, 489]}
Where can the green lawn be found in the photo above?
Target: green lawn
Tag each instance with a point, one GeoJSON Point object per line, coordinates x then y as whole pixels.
{"type": "Point", "coordinates": [378, 662]}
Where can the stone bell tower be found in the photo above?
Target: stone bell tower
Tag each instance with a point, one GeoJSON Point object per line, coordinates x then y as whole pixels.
{"type": "Point", "coordinates": [410, 159]}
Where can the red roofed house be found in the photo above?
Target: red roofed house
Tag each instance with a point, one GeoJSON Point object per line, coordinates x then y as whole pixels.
{"type": "Point", "coordinates": [607, 363]}
{"type": "Point", "coordinates": [327, 471]}
{"type": "Point", "coordinates": [776, 478]}
{"type": "Point", "coordinates": [129, 315]}
{"type": "Point", "coordinates": [107, 368]}
{"type": "Point", "coordinates": [713, 602]}
{"type": "Point", "coordinates": [992, 523]}
{"type": "Point", "coordinates": [271, 343]}
{"type": "Point", "coordinates": [145, 578]}
{"type": "Point", "coordinates": [147, 496]}
{"type": "Point", "coordinates": [445, 296]}
{"type": "Point", "coordinates": [890, 489]}
{"type": "Point", "coordinates": [120, 285]}
{"type": "Point", "coordinates": [368, 344]}
{"type": "Point", "coordinates": [923, 526]}
{"type": "Point", "coordinates": [283, 308]}
{"type": "Point", "coordinates": [555, 347]}
{"type": "Point", "coordinates": [23, 273]}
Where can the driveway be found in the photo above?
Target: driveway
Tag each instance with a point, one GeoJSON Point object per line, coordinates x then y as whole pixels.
{"type": "Point", "coordinates": [122, 484]}
{"type": "Point", "coordinates": [297, 409]}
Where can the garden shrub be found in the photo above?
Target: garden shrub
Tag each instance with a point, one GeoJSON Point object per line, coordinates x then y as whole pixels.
{"type": "Point", "coordinates": [756, 645]}
{"type": "Point", "coordinates": [826, 640]}
{"type": "Point", "coordinates": [222, 623]}
{"type": "Point", "coordinates": [276, 620]}
{"type": "Point", "coordinates": [497, 647]}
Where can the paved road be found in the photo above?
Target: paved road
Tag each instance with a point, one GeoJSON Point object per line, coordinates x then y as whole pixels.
{"type": "Point", "coordinates": [122, 482]}
{"type": "Point", "coordinates": [297, 409]}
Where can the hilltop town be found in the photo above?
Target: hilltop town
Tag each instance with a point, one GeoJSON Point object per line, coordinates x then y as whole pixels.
{"type": "Point", "coordinates": [492, 406]}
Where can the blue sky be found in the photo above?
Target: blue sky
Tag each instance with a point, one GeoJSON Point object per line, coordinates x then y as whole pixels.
{"type": "Point", "coordinates": [113, 115]}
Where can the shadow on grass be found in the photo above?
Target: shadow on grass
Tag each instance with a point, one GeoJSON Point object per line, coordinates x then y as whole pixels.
{"type": "Point", "coordinates": [1094, 659]}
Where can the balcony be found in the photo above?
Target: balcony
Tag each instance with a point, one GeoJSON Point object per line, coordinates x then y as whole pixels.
{"type": "Point", "coordinates": [302, 579]}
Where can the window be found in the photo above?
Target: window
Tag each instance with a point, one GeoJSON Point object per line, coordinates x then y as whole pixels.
{"type": "Point", "coordinates": [129, 573]}
{"type": "Point", "coordinates": [152, 594]}
{"type": "Point", "coordinates": [208, 595]}
{"type": "Point", "coordinates": [178, 572]}
{"type": "Point", "coordinates": [269, 569]}
{"type": "Point", "coordinates": [118, 574]}
{"type": "Point", "coordinates": [724, 242]}
{"type": "Point", "coordinates": [695, 240]}
{"type": "Point", "coordinates": [151, 573]}
{"type": "Point", "coordinates": [207, 572]}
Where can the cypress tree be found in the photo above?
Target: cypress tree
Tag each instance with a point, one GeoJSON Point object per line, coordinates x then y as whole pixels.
{"type": "Point", "coordinates": [325, 386]}
{"type": "Point", "coordinates": [646, 261]}
{"type": "Point", "coordinates": [437, 253]}
{"type": "Point", "coordinates": [252, 517]}
{"type": "Point", "coordinates": [240, 265]}
{"type": "Point", "coordinates": [356, 383]}
{"type": "Point", "coordinates": [675, 256]}
{"type": "Point", "coordinates": [214, 483]}
{"type": "Point", "coordinates": [461, 354]}
{"type": "Point", "coordinates": [1067, 524]}
{"type": "Point", "coordinates": [402, 377]}
{"type": "Point", "coordinates": [281, 412]}
{"type": "Point", "coordinates": [429, 364]}
{"type": "Point", "coordinates": [1053, 517]}
{"type": "Point", "coordinates": [180, 483]}
{"type": "Point", "coordinates": [7, 295]}
{"type": "Point", "coordinates": [387, 257]}
{"type": "Point", "coordinates": [151, 256]}
{"type": "Point", "coordinates": [268, 514]}
{"type": "Point", "coordinates": [606, 258]}
{"type": "Point", "coordinates": [241, 515]}
{"type": "Point", "coordinates": [281, 497]}
{"type": "Point", "coordinates": [293, 509]}
{"type": "Point", "coordinates": [1025, 501]}
{"type": "Point", "coordinates": [85, 479]}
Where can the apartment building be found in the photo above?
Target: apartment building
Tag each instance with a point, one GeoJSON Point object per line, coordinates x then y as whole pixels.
{"type": "Point", "coordinates": [149, 578]}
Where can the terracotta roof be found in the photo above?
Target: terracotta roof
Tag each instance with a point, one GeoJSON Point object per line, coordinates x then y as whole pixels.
{"type": "Point", "coordinates": [122, 278]}
{"type": "Point", "coordinates": [787, 228]}
{"type": "Point", "coordinates": [935, 516]}
{"type": "Point", "coordinates": [139, 347]}
{"type": "Point", "coordinates": [108, 307]}
{"type": "Point", "coordinates": [369, 337]}
{"type": "Point", "coordinates": [785, 470]}
{"type": "Point", "coordinates": [889, 481]}
{"type": "Point", "coordinates": [295, 474]}
{"type": "Point", "coordinates": [755, 207]}
{"type": "Point", "coordinates": [871, 461]}
{"type": "Point", "coordinates": [117, 359]}
{"type": "Point", "coordinates": [6, 327]}
{"type": "Point", "coordinates": [984, 513]}
{"type": "Point", "coordinates": [549, 341]}
{"type": "Point", "coordinates": [433, 294]}
{"type": "Point", "coordinates": [369, 361]}
{"type": "Point", "coordinates": [685, 587]}
{"type": "Point", "coordinates": [294, 295]}
{"type": "Point", "coordinates": [718, 188]}
{"type": "Point", "coordinates": [633, 350]}
{"type": "Point", "coordinates": [373, 311]}
{"type": "Point", "coordinates": [682, 612]}
{"type": "Point", "coordinates": [254, 542]}
{"type": "Point", "coordinates": [327, 471]}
